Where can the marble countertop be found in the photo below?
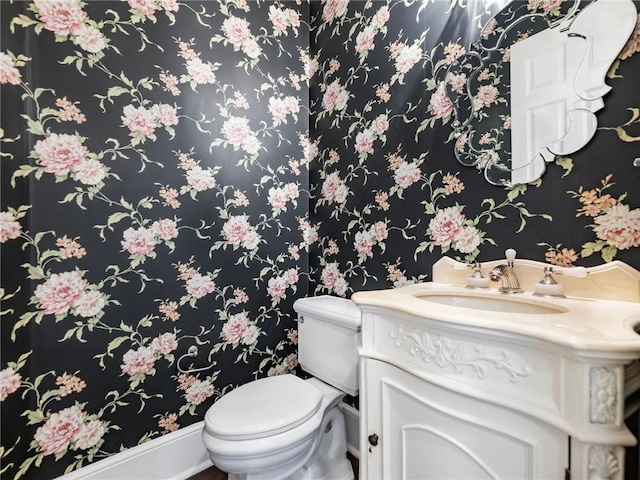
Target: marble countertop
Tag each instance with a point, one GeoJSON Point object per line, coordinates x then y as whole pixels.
{"type": "Point", "coordinates": [579, 323]}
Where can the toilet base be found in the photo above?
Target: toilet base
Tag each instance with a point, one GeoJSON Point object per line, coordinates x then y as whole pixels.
{"type": "Point", "coordinates": [329, 461]}
{"type": "Point", "coordinates": [341, 471]}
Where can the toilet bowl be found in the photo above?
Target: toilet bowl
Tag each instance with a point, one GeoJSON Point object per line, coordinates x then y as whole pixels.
{"type": "Point", "coordinates": [305, 441]}
{"type": "Point", "coordinates": [284, 427]}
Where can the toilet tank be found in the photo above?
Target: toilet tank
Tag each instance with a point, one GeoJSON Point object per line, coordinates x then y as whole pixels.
{"type": "Point", "coordinates": [328, 329]}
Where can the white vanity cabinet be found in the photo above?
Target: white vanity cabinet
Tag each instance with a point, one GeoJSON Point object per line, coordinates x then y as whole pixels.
{"type": "Point", "coordinates": [494, 395]}
{"type": "Point", "coordinates": [430, 432]}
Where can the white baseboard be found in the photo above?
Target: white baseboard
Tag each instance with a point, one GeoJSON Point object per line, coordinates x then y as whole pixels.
{"type": "Point", "coordinates": [179, 455]}
{"type": "Point", "coordinates": [352, 421]}
{"type": "Point", "coordinates": [175, 456]}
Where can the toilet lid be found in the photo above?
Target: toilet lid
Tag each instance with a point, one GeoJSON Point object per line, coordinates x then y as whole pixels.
{"type": "Point", "coordinates": [263, 407]}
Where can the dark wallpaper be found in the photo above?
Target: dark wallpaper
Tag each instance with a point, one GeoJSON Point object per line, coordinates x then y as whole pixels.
{"type": "Point", "coordinates": [178, 173]}
{"type": "Point", "coordinates": [392, 197]}
{"type": "Point", "coordinates": [155, 197]}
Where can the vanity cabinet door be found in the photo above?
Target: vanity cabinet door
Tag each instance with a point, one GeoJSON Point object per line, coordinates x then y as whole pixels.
{"type": "Point", "coordinates": [413, 429]}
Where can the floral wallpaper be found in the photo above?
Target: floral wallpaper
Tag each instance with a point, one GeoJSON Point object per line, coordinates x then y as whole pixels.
{"type": "Point", "coordinates": [178, 173]}
{"type": "Point", "coordinates": [387, 102]}
{"type": "Point", "coordinates": [154, 197]}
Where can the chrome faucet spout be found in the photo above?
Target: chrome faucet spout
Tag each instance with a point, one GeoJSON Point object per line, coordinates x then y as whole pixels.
{"type": "Point", "coordinates": [507, 274]}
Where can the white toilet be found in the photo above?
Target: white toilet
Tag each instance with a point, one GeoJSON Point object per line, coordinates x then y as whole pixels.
{"type": "Point", "coordinates": [283, 427]}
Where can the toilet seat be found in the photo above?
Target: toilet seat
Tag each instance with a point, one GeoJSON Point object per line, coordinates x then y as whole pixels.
{"type": "Point", "coordinates": [263, 408]}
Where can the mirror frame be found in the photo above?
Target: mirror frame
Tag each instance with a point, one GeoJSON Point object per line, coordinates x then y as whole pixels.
{"type": "Point", "coordinates": [482, 113]}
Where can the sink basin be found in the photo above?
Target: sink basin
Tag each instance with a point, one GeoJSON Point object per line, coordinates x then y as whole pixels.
{"type": "Point", "coordinates": [492, 304]}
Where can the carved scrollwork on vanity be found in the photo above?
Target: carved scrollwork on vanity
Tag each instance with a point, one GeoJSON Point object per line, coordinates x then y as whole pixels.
{"type": "Point", "coordinates": [603, 395]}
{"type": "Point", "coordinates": [603, 463]}
{"type": "Point", "coordinates": [445, 352]}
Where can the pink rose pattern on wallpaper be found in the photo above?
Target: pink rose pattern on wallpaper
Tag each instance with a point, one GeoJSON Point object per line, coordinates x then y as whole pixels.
{"type": "Point", "coordinates": [237, 302]}
{"type": "Point", "coordinates": [193, 167]}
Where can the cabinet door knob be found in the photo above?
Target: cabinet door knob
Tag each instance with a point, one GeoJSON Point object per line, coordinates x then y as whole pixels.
{"type": "Point", "coordinates": [373, 439]}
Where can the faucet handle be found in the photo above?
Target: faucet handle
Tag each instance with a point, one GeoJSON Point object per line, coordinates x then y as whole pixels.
{"type": "Point", "coordinates": [510, 255]}
{"type": "Point", "coordinates": [548, 287]}
{"type": "Point", "coordinates": [577, 272]}
{"type": "Point", "coordinates": [476, 279]}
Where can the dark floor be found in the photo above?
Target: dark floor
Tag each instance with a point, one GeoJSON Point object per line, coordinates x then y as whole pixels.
{"type": "Point", "coordinates": [214, 474]}
{"type": "Point", "coordinates": [210, 474]}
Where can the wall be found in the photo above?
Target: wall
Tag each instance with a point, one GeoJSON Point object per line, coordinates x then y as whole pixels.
{"type": "Point", "coordinates": [154, 197]}
{"type": "Point", "coordinates": [387, 199]}
{"type": "Point", "coordinates": [391, 196]}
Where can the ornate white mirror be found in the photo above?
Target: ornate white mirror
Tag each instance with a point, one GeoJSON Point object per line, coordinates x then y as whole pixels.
{"type": "Point", "coordinates": [537, 77]}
